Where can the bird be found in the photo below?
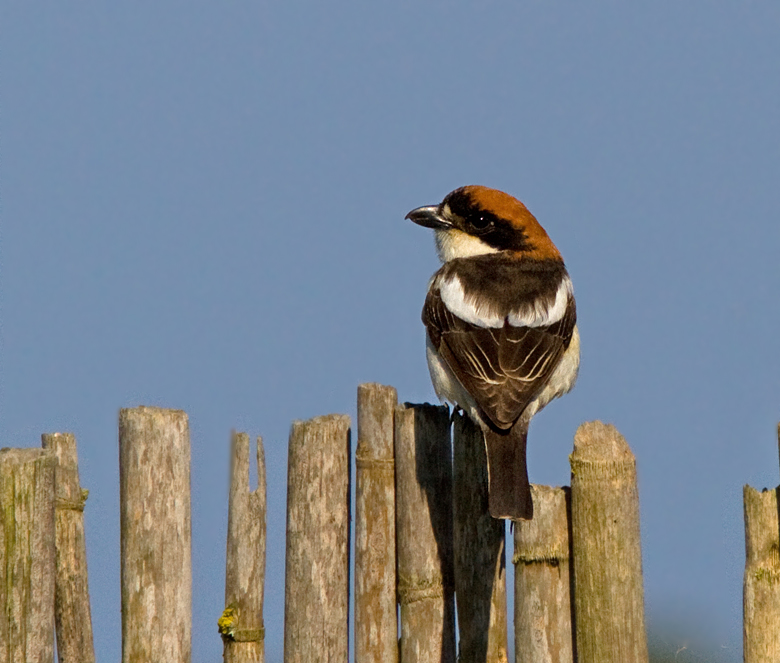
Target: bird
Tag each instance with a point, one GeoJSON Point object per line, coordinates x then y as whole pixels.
{"type": "Point", "coordinates": [501, 328]}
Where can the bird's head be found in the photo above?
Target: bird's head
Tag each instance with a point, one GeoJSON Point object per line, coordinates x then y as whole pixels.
{"type": "Point", "coordinates": [475, 220]}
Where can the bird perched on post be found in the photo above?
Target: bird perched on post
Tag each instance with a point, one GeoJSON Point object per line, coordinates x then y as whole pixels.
{"type": "Point", "coordinates": [501, 323]}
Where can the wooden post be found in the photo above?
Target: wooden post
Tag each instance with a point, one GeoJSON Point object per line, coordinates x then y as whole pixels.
{"type": "Point", "coordinates": [480, 553]}
{"type": "Point", "coordinates": [155, 535]}
{"type": "Point", "coordinates": [71, 604]}
{"type": "Point", "coordinates": [543, 606]}
{"type": "Point", "coordinates": [316, 605]}
{"type": "Point", "coordinates": [376, 622]}
{"type": "Point", "coordinates": [423, 479]}
{"type": "Point", "coordinates": [241, 625]}
{"type": "Point", "coordinates": [27, 566]}
{"type": "Point", "coordinates": [761, 602]}
{"type": "Point", "coordinates": [609, 596]}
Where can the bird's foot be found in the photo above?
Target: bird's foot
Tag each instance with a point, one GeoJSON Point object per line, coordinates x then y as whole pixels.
{"type": "Point", "coordinates": [456, 409]}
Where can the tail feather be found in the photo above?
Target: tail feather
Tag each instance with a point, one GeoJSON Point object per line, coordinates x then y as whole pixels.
{"type": "Point", "coordinates": [508, 488]}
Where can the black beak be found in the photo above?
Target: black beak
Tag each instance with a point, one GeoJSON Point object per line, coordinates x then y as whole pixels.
{"type": "Point", "coordinates": [428, 217]}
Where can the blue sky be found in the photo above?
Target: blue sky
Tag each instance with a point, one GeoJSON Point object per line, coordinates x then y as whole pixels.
{"type": "Point", "coordinates": [202, 208]}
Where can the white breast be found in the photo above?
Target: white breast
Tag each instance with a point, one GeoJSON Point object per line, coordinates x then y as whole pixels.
{"type": "Point", "coordinates": [562, 379]}
{"type": "Point", "coordinates": [447, 387]}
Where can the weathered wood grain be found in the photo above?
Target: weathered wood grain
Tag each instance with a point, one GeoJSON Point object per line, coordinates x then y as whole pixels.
{"type": "Point", "coordinates": [423, 475]}
{"type": "Point", "coordinates": [376, 622]}
{"type": "Point", "coordinates": [72, 612]}
{"type": "Point", "coordinates": [543, 601]}
{"type": "Point", "coordinates": [609, 594]}
{"type": "Point", "coordinates": [316, 610]}
{"type": "Point", "coordinates": [761, 599]}
{"type": "Point", "coordinates": [480, 552]}
{"type": "Point", "coordinates": [155, 535]}
{"type": "Point", "coordinates": [27, 555]}
{"type": "Point", "coordinates": [241, 625]}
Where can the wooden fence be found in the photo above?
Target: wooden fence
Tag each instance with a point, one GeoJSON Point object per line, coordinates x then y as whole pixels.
{"type": "Point", "coordinates": [429, 562]}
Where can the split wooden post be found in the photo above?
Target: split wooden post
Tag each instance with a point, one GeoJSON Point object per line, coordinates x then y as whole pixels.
{"type": "Point", "coordinates": [423, 479]}
{"type": "Point", "coordinates": [316, 605]}
{"type": "Point", "coordinates": [606, 546]}
{"type": "Point", "coordinates": [155, 535]}
{"type": "Point", "coordinates": [27, 565]}
{"type": "Point", "coordinates": [72, 612]}
{"type": "Point", "coordinates": [761, 599]}
{"type": "Point", "coordinates": [543, 601]}
{"type": "Point", "coordinates": [480, 552]}
{"type": "Point", "coordinates": [241, 625]}
{"type": "Point", "coordinates": [376, 622]}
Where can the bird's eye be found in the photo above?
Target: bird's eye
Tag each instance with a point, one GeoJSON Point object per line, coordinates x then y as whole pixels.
{"type": "Point", "coordinates": [481, 221]}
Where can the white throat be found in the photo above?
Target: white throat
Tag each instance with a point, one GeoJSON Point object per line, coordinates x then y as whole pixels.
{"type": "Point", "coordinates": [452, 243]}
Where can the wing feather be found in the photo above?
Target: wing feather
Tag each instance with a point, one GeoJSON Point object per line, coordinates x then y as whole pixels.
{"type": "Point", "coordinates": [503, 368]}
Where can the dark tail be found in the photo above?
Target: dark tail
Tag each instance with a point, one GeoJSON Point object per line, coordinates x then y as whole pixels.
{"type": "Point", "coordinates": [508, 488]}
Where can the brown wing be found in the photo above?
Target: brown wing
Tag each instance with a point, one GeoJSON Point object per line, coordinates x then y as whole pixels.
{"type": "Point", "coordinates": [502, 368]}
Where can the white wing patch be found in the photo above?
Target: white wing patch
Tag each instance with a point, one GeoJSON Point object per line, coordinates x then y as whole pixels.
{"type": "Point", "coordinates": [538, 314]}
{"type": "Point", "coordinates": [466, 308]}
